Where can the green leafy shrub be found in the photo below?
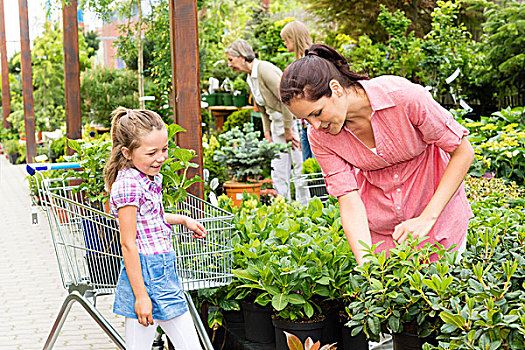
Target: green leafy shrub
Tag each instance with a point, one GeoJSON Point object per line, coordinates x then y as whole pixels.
{"type": "Point", "coordinates": [245, 155]}
{"type": "Point", "coordinates": [239, 118]}
{"type": "Point", "coordinates": [92, 156]}
{"type": "Point", "coordinates": [58, 147]}
{"type": "Point", "coordinates": [105, 89]}
{"type": "Point", "coordinates": [12, 147]}
{"type": "Point", "coordinates": [311, 166]}
{"type": "Point", "coordinates": [499, 144]}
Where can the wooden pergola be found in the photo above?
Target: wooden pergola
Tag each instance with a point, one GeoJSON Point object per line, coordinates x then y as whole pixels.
{"type": "Point", "coordinates": [185, 77]}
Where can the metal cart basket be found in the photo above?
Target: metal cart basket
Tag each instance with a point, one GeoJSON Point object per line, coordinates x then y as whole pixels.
{"type": "Point", "coordinates": [87, 246]}
{"type": "Point", "coordinates": [314, 183]}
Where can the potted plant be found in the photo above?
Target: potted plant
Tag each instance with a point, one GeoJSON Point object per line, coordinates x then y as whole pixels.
{"type": "Point", "coordinates": [12, 149]}
{"type": "Point", "coordinates": [240, 87]}
{"type": "Point", "coordinates": [246, 157]}
{"type": "Point", "coordinates": [286, 265]}
{"type": "Point", "coordinates": [392, 297]}
{"type": "Point", "coordinates": [295, 343]}
{"type": "Point", "coordinates": [57, 148]}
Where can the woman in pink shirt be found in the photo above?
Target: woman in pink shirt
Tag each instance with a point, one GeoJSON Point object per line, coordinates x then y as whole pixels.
{"type": "Point", "coordinates": [393, 157]}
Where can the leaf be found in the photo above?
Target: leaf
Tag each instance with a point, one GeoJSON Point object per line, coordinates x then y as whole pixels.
{"type": "Point", "coordinates": [374, 325]}
{"type": "Point", "coordinates": [296, 299]}
{"type": "Point", "coordinates": [293, 342]}
{"type": "Point", "coordinates": [279, 301]}
{"type": "Point", "coordinates": [74, 145]}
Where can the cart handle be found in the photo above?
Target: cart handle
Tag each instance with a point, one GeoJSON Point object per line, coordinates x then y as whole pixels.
{"type": "Point", "coordinates": [33, 168]}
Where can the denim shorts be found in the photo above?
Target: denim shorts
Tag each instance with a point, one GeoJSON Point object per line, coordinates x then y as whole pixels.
{"type": "Point", "coordinates": [162, 284]}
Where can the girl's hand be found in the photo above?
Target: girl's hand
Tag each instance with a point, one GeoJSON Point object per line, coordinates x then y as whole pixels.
{"type": "Point", "coordinates": [144, 310]}
{"type": "Point", "coordinates": [196, 227]}
{"type": "Point", "coordinates": [417, 227]}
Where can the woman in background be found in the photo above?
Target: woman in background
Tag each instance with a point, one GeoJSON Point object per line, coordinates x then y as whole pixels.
{"type": "Point", "coordinates": [297, 39]}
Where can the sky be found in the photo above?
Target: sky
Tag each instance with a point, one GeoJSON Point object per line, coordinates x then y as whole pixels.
{"type": "Point", "coordinates": [36, 16]}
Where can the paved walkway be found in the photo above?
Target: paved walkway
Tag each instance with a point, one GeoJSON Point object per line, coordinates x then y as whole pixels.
{"type": "Point", "coordinates": [31, 291]}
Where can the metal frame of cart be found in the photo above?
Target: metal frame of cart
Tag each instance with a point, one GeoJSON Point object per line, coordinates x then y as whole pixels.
{"type": "Point", "coordinates": [87, 247]}
{"type": "Point", "coordinates": [314, 183]}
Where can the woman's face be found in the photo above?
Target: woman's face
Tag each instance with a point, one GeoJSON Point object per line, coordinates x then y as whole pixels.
{"type": "Point", "coordinates": [288, 44]}
{"type": "Point", "coordinates": [327, 114]}
{"type": "Point", "coordinates": [237, 63]}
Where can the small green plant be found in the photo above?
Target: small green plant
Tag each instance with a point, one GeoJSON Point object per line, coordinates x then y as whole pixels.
{"type": "Point", "coordinates": [58, 147]}
{"type": "Point", "coordinates": [12, 147]}
{"type": "Point", "coordinates": [245, 155]}
{"type": "Point", "coordinates": [175, 170]}
{"type": "Point", "coordinates": [311, 166]}
{"type": "Point", "coordinates": [239, 84]}
{"type": "Point", "coordinates": [92, 157]}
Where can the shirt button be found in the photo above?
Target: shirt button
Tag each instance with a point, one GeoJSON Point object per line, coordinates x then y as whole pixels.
{"type": "Point", "coordinates": [396, 176]}
{"type": "Point", "coordinates": [398, 207]}
{"type": "Point", "coordinates": [398, 190]}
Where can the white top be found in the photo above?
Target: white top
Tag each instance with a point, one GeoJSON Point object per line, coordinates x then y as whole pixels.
{"type": "Point", "coordinates": [254, 85]}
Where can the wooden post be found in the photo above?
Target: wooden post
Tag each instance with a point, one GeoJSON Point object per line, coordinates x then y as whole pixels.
{"type": "Point", "coordinates": [6, 95]}
{"type": "Point", "coordinates": [186, 81]}
{"type": "Point", "coordinates": [27, 83]}
{"type": "Point", "coordinates": [72, 72]}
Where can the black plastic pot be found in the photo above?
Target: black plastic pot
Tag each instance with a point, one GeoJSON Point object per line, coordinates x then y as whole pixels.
{"type": "Point", "coordinates": [233, 316]}
{"type": "Point", "coordinates": [258, 327]}
{"type": "Point", "coordinates": [359, 342]}
{"type": "Point", "coordinates": [13, 158]}
{"type": "Point", "coordinates": [408, 341]}
{"type": "Point", "coordinates": [332, 325]}
{"type": "Point", "coordinates": [302, 331]}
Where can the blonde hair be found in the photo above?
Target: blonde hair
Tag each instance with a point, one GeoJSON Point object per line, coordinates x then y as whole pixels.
{"type": "Point", "coordinates": [128, 126]}
{"type": "Point", "coordinates": [297, 33]}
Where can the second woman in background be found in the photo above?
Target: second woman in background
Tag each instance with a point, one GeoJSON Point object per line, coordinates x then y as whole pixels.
{"type": "Point", "coordinates": [297, 39]}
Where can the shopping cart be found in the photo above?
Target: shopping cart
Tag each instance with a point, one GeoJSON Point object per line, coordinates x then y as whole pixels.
{"type": "Point", "coordinates": [315, 185]}
{"type": "Point", "coordinates": [86, 242]}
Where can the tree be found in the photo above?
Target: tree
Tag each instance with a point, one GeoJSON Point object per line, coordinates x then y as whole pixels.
{"type": "Point", "coordinates": [504, 54]}
{"type": "Point", "coordinates": [356, 17]}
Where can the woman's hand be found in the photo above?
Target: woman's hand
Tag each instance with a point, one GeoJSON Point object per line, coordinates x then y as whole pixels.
{"type": "Point", "coordinates": [289, 136]}
{"type": "Point", "coordinates": [196, 227]}
{"type": "Point", "coordinates": [417, 227]}
{"type": "Point", "coordinates": [144, 310]}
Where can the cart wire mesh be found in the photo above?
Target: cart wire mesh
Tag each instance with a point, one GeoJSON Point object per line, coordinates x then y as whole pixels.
{"type": "Point", "coordinates": [314, 183]}
{"type": "Point", "coordinates": [87, 240]}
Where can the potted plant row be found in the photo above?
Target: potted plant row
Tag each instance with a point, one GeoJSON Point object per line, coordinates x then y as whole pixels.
{"type": "Point", "coordinates": [246, 157]}
{"type": "Point", "coordinates": [292, 264]}
{"type": "Point", "coordinates": [471, 303]}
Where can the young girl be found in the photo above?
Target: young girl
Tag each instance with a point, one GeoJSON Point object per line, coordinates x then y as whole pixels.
{"type": "Point", "coordinates": [148, 291]}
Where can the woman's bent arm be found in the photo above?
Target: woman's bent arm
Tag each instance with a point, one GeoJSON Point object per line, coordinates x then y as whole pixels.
{"type": "Point", "coordinates": [128, 235]}
{"type": "Point", "coordinates": [355, 223]}
{"type": "Point", "coordinates": [457, 168]}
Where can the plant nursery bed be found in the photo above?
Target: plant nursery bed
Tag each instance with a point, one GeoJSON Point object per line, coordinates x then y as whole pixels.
{"type": "Point", "coordinates": [235, 340]}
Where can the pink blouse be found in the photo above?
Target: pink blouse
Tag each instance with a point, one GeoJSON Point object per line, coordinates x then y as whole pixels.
{"type": "Point", "coordinates": [413, 136]}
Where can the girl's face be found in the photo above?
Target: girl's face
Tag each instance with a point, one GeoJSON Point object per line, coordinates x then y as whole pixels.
{"type": "Point", "coordinates": [327, 114]}
{"type": "Point", "coordinates": [151, 154]}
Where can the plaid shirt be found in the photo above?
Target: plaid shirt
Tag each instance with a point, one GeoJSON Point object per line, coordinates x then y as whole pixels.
{"type": "Point", "coordinates": [131, 187]}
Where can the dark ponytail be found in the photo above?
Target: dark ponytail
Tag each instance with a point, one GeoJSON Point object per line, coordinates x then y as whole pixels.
{"type": "Point", "coordinates": [309, 77]}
